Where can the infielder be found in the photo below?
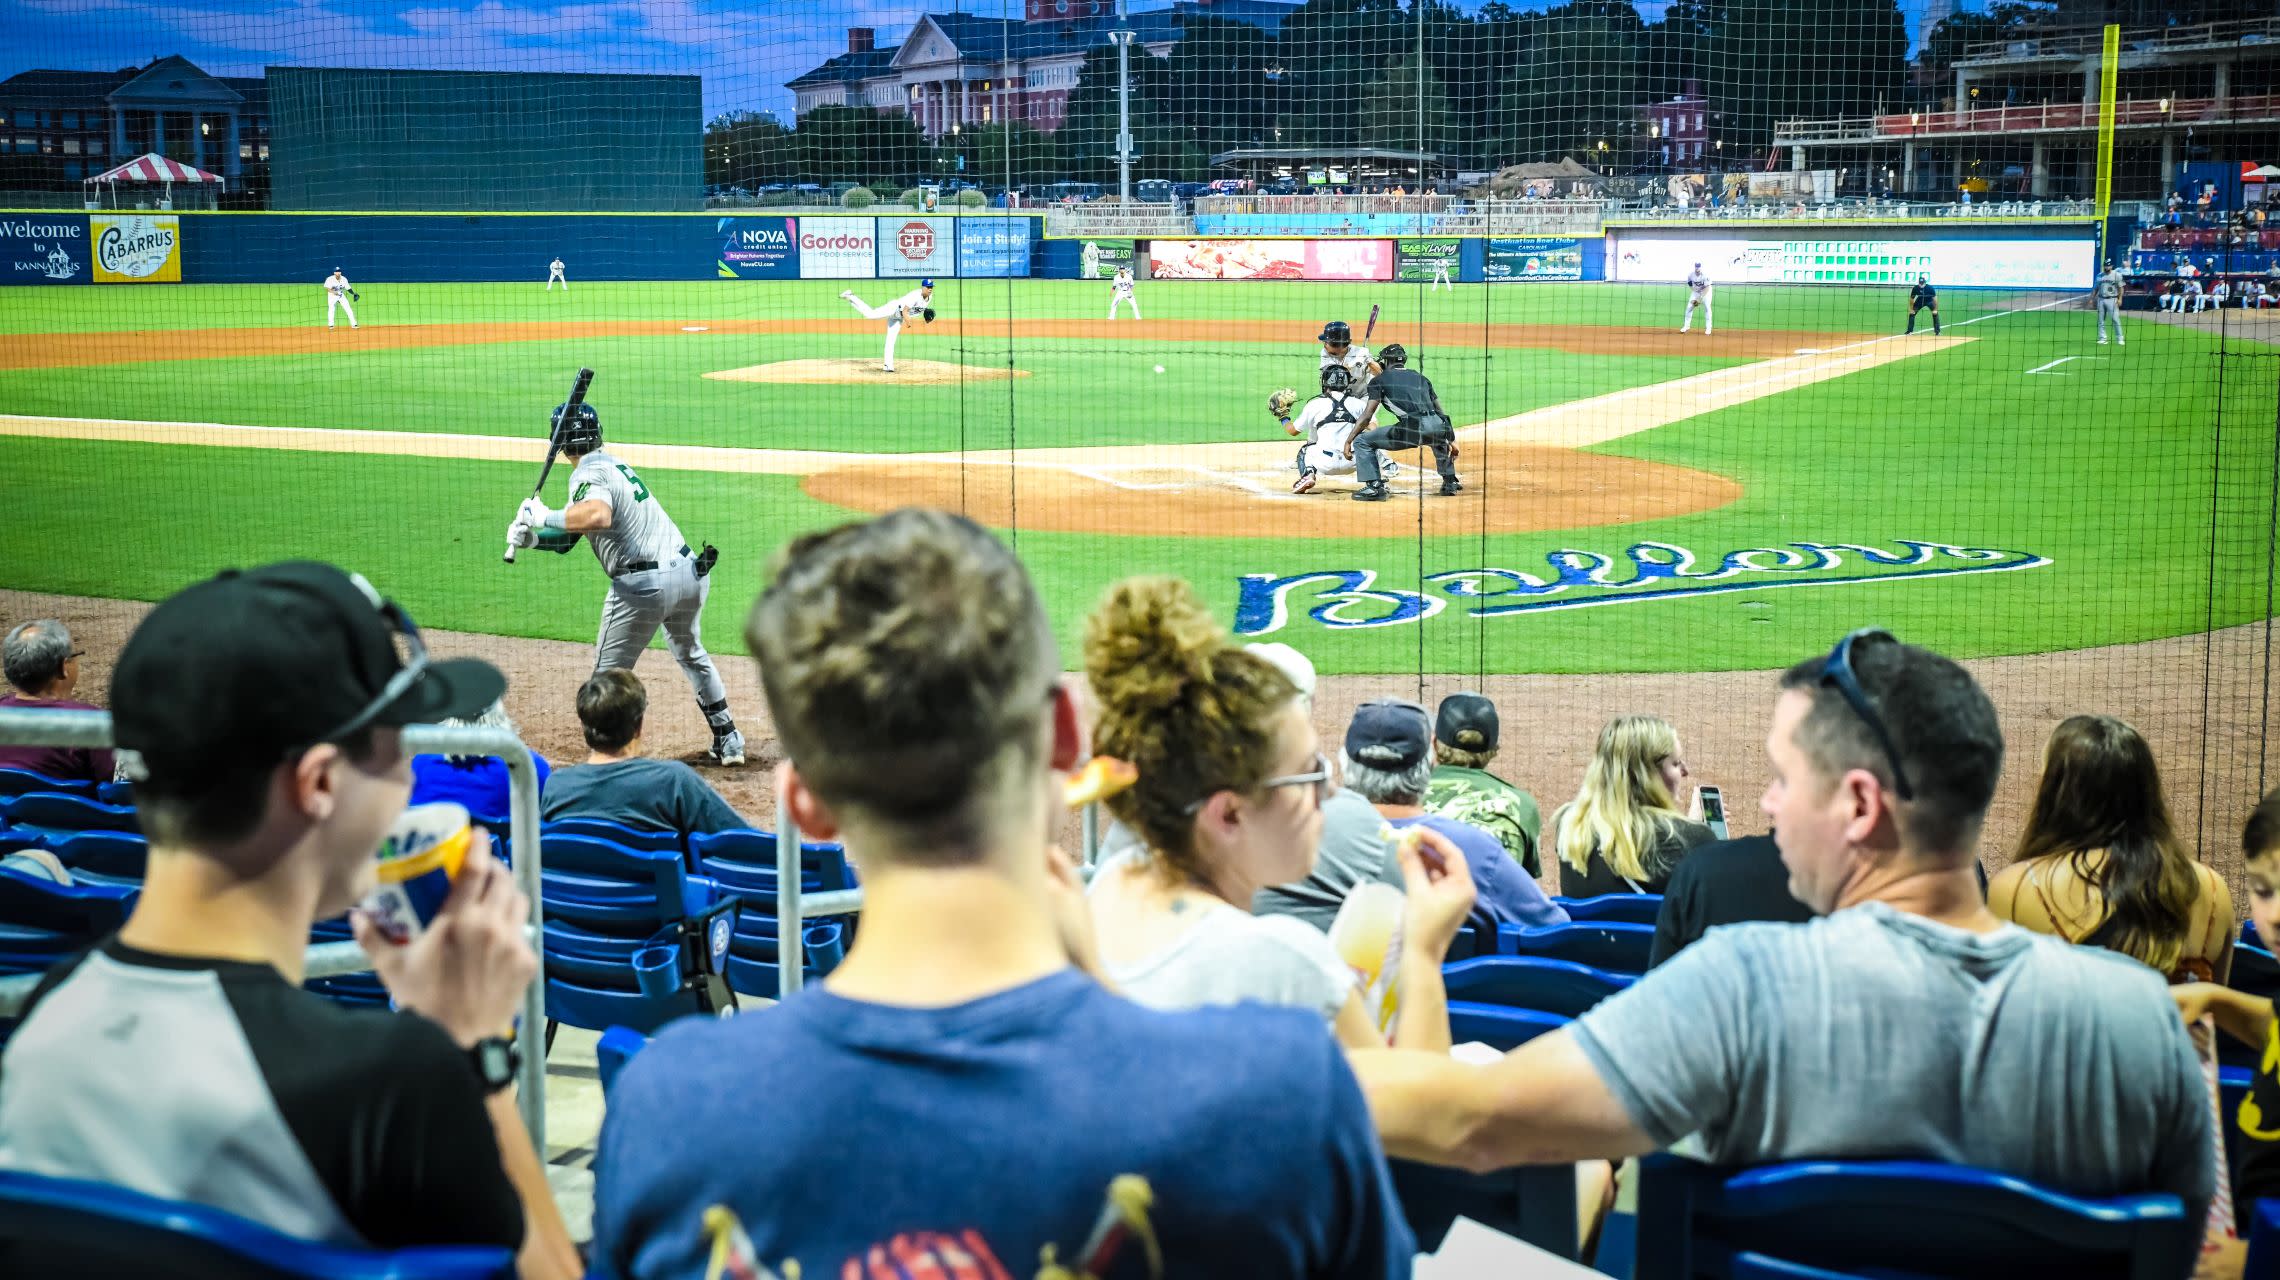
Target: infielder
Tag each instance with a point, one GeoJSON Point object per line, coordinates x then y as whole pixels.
{"type": "Point", "coordinates": [1338, 348]}
{"type": "Point", "coordinates": [1697, 295]}
{"type": "Point", "coordinates": [1423, 425]}
{"type": "Point", "coordinates": [919, 302]}
{"type": "Point", "coordinates": [2110, 303]}
{"type": "Point", "coordinates": [1329, 422]}
{"type": "Point", "coordinates": [555, 277]}
{"type": "Point", "coordinates": [338, 293]}
{"type": "Point", "coordinates": [1921, 296]}
{"type": "Point", "coordinates": [655, 580]}
{"type": "Point", "coordinates": [1122, 292]}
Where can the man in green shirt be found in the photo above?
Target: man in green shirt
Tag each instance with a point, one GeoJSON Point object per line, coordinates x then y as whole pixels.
{"type": "Point", "coordinates": [1464, 742]}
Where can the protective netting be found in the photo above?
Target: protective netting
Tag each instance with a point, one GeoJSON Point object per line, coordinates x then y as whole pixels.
{"type": "Point", "coordinates": [744, 200]}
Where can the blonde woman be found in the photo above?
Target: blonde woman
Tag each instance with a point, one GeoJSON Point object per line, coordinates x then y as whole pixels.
{"type": "Point", "coordinates": [1623, 832]}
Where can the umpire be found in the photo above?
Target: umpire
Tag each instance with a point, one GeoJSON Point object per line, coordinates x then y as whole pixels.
{"type": "Point", "coordinates": [1422, 425]}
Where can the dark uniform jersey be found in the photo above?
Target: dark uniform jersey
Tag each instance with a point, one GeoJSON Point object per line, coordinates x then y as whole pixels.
{"type": "Point", "coordinates": [1408, 393]}
{"type": "Point", "coordinates": [1923, 295]}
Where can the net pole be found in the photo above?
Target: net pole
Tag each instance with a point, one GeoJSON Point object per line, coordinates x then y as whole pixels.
{"type": "Point", "coordinates": [1123, 108]}
{"type": "Point", "coordinates": [2109, 76]}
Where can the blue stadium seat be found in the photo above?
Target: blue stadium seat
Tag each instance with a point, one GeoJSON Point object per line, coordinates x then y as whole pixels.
{"type": "Point", "coordinates": [2232, 1085]}
{"type": "Point", "coordinates": [744, 862]}
{"type": "Point", "coordinates": [1613, 908]}
{"type": "Point", "coordinates": [2257, 972]}
{"type": "Point", "coordinates": [1532, 982]}
{"type": "Point", "coordinates": [1499, 1026]}
{"type": "Point", "coordinates": [119, 793]}
{"type": "Point", "coordinates": [1618, 948]}
{"type": "Point", "coordinates": [616, 1048]}
{"type": "Point", "coordinates": [17, 782]}
{"type": "Point", "coordinates": [616, 832]}
{"type": "Point", "coordinates": [1532, 1203]}
{"type": "Point", "coordinates": [42, 922]}
{"type": "Point", "coordinates": [102, 857]}
{"type": "Point", "coordinates": [64, 1226]}
{"type": "Point", "coordinates": [631, 938]}
{"type": "Point", "coordinates": [753, 960]}
{"type": "Point", "coordinates": [1895, 1220]}
{"type": "Point", "coordinates": [54, 814]}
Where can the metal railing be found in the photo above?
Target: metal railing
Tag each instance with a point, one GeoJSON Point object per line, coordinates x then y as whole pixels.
{"type": "Point", "coordinates": [2091, 40]}
{"type": "Point", "coordinates": [1768, 209]}
{"type": "Point", "coordinates": [2042, 117]}
{"type": "Point", "coordinates": [92, 729]}
{"type": "Point", "coordinates": [1079, 220]}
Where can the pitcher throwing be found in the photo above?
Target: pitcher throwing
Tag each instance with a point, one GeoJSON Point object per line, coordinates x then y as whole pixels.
{"type": "Point", "coordinates": [655, 580]}
{"type": "Point", "coordinates": [918, 302]}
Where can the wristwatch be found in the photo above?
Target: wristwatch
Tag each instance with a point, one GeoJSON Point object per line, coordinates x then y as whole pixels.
{"type": "Point", "coordinates": [496, 1061]}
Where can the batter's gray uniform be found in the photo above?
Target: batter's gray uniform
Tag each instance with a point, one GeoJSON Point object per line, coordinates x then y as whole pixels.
{"type": "Point", "coordinates": [2110, 305]}
{"type": "Point", "coordinates": [653, 581]}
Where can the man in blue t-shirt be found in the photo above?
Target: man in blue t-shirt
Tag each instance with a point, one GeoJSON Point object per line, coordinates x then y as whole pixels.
{"type": "Point", "coordinates": [1389, 762]}
{"type": "Point", "coordinates": [961, 1098]}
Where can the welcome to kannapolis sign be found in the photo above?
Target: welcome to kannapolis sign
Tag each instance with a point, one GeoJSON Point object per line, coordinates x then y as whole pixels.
{"type": "Point", "coordinates": [1349, 599]}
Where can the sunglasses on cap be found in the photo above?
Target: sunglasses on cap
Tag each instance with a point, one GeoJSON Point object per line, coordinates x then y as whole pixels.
{"type": "Point", "coordinates": [1838, 671]}
{"type": "Point", "coordinates": [1318, 777]}
{"type": "Point", "coordinates": [415, 666]}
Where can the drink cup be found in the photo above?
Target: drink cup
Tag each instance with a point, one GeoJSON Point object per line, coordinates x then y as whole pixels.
{"type": "Point", "coordinates": [419, 859]}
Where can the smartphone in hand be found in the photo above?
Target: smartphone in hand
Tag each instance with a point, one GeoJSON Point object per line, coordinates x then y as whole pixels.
{"type": "Point", "coordinates": [1713, 804]}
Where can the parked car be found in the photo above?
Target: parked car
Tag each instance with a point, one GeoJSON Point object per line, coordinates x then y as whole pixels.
{"type": "Point", "coordinates": [1189, 190]}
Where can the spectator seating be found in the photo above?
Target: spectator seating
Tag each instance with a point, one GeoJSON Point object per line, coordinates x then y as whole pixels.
{"type": "Point", "coordinates": [744, 863]}
{"type": "Point", "coordinates": [43, 923]}
{"type": "Point", "coordinates": [16, 782]}
{"type": "Point", "coordinates": [630, 936]}
{"type": "Point", "coordinates": [601, 829]}
{"type": "Point", "coordinates": [2232, 1086]}
{"type": "Point", "coordinates": [50, 814]}
{"type": "Point", "coordinates": [119, 793]}
{"type": "Point", "coordinates": [2257, 972]}
{"type": "Point", "coordinates": [1618, 948]}
{"type": "Point", "coordinates": [1894, 1219]}
{"type": "Point", "coordinates": [616, 1048]}
{"type": "Point", "coordinates": [1506, 1001]}
{"type": "Point", "coordinates": [101, 857]}
{"type": "Point", "coordinates": [1535, 1203]}
{"type": "Point", "coordinates": [1613, 908]}
{"type": "Point", "coordinates": [64, 1226]}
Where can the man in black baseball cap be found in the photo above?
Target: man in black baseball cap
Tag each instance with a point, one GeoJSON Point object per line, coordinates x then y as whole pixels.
{"type": "Point", "coordinates": [260, 715]}
{"type": "Point", "coordinates": [1465, 732]}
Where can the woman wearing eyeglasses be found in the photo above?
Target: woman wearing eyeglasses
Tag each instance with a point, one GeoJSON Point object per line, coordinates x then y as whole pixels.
{"type": "Point", "coordinates": [1623, 832]}
{"type": "Point", "coordinates": [1229, 801]}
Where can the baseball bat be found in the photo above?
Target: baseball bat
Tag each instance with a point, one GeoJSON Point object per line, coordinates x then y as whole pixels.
{"type": "Point", "coordinates": [1371, 327]}
{"type": "Point", "coordinates": [554, 438]}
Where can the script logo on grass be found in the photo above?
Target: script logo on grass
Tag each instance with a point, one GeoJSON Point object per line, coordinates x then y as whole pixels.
{"type": "Point", "coordinates": [1350, 599]}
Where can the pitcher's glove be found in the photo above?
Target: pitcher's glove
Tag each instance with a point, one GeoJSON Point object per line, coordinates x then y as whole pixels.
{"type": "Point", "coordinates": [1280, 402]}
{"type": "Point", "coordinates": [929, 314]}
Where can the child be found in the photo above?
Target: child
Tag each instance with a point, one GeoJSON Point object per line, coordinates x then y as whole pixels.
{"type": "Point", "coordinates": [2249, 1018]}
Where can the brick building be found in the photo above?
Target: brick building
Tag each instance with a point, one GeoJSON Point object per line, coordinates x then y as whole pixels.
{"type": "Point", "coordinates": [58, 127]}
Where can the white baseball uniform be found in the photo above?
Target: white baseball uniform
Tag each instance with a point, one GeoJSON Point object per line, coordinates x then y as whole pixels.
{"type": "Point", "coordinates": [554, 276]}
{"type": "Point", "coordinates": [336, 295]}
{"type": "Point", "coordinates": [653, 581]}
{"type": "Point", "coordinates": [1122, 292]}
{"type": "Point", "coordinates": [2219, 294]}
{"type": "Point", "coordinates": [1698, 291]}
{"type": "Point", "coordinates": [1329, 422]}
{"type": "Point", "coordinates": [1441, 276]}
{"type": "Point", "coordinates": [911, 303]}
{"type": "Point", "coordinates": [2195, 296]}
{"type": "Point", "coordinates": [1357, 362]}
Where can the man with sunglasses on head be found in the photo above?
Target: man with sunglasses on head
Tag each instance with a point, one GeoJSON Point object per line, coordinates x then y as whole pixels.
{"type": "Point", "coordinates": [1907, 1022]}
{"type": "Point", "coordinates": [260, 714]}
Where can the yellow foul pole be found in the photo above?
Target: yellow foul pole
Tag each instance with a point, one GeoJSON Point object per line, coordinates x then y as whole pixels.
{"type": "Point", "coordinates": [2110, 67]}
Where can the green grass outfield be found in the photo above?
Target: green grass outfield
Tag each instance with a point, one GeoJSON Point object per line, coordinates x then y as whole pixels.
{"type": "Point", "coordinates": [2153, 522]}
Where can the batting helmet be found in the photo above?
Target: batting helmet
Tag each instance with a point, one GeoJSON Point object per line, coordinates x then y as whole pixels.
{"type": "Point", "coordinates": [578, 432]}
{"type": "Point", "coordinates": [1337, 379]}
{"type": "Point", "coordinates": [1338, 331]}
{"type": "Point", "coordinates": [1393, 355]}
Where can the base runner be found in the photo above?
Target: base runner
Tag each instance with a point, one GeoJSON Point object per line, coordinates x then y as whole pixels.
{"type": "Point", "coordinates": [655, 580]}
{"type": "Point", "coordinates": [918, 302]}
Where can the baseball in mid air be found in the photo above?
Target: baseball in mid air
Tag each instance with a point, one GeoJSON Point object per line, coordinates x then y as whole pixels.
{"type": "Point", "coordinates": [1159, 368]}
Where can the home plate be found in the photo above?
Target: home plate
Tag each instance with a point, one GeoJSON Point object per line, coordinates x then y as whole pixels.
{"type": "Point", "coordinates": [694, 328]}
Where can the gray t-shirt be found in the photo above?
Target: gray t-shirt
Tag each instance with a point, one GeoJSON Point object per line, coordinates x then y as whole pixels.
{"type": "Point", "coordinates": [654, 795]}
{"type": "Point", "coordinates": [1873, 1033]}
{"type": "Point", "coordinates": [1353, 852]}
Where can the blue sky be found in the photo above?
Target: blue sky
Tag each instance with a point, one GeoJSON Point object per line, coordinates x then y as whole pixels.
{"type": "Point", "coordinates": [744, 50]}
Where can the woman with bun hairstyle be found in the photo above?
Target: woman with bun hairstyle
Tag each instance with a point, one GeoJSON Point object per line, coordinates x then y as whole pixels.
{"type": "Point", "coordinates": [1229, 800]}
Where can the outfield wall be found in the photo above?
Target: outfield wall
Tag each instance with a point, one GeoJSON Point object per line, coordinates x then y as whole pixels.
{"type": "Point", "coordinates": [270, 248]}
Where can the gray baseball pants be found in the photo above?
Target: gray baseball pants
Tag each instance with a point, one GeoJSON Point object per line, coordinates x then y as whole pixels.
{"type": "Point", "coordinates": [672, 596]}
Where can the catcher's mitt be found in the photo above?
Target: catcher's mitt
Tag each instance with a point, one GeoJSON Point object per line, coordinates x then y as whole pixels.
{"type": "Point", "coordinates": [929, 314]}
{"type": "Point", "coordinates": [1280, 402]}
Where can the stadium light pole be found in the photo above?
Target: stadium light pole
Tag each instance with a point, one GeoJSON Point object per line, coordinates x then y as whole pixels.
{"type": "Point", "coordinates": [1123, 37]}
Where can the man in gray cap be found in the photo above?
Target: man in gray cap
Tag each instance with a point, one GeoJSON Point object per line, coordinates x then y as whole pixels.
{"type": "Point", "coordinates": [1464, 744]}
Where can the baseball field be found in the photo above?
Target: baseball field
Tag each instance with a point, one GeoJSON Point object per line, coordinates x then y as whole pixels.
{"type": "Point", "coordinates": [1636, 499]}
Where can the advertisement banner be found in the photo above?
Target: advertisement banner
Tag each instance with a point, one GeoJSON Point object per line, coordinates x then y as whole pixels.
{"type": "Point", "coordinates": [838, 248]}
{"type": "Point", "coordinates": [1349, 259]}
{"type": "Point", "coordinates": [1099, 259]}
{"type": "Point", "coordinates": [1986, 262]}
{"type": "Point", "coordinates": [993, 247]}
{"type": "Point", "coordinates": [1535, 260]}
{"type": "Point", "coordinates": [1227, 259]}
{"type": "Point", "coordinates": [759, 248]}
{"type": "Point", "coordinates": [137, 249]}
{"type": "Point", "coordinates": [915, 246]}
{"type": "Point", "coordinates": [43, 248]}
{"type": "Point", "coordinates": [1420, 261]}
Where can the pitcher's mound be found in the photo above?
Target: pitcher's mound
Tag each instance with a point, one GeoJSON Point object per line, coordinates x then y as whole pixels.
{"type": "Point", "coordinates": [923, 373]}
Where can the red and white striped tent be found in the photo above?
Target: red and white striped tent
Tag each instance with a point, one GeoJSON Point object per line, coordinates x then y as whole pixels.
{"type": "Point", "coordinates": [154, 167]}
